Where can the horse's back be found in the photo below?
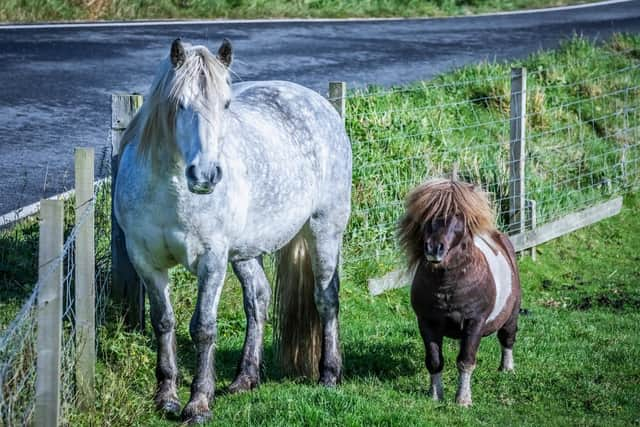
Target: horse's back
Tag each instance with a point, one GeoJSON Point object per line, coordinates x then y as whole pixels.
{"type": "Point", "coordinates": [287, 119]}
{"type": "Point", "coordinates": [300, 110]}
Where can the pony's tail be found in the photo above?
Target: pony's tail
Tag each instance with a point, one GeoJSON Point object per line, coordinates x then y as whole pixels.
{"type": "Point", "coordinates": [297, 326]}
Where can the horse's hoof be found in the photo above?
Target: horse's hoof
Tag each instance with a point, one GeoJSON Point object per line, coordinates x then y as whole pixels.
{"type": "Point", "coordinates": [329, 380]}
{"type": "Point", "coordinates": [243, 383]}
{"type": "Point", "coordinates": [169, 407]}
{"type": "Point", "coordinates": [199, 419]}
{"type": "Point", "coordinates": [196, 413]}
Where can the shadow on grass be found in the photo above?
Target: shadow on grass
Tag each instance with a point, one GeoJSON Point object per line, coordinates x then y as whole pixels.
{"type": "Point", "coordinates": [18, 266]}
{"type": "Point", "coordinates": [361, 359]}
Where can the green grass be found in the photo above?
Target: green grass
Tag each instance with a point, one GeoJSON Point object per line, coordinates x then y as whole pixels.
{"type": "Point", "coordinates": [65, 10]}
{"type": "Point", "coordinates": [577, 351]}
{"type": "Point", "coordinates": [576, 362]}
{"type": "Point", "coordinates": [582, 111]}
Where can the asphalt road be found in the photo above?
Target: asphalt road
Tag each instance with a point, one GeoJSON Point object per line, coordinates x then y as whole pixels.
{"type": "Point", "coordinates": [56, 81]}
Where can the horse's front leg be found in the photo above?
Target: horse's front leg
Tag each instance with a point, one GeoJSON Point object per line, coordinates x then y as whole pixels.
{"type": "Point", "coordinates": [256, 295]}
{"type": "Point", "coordinates": [471, 335]}
{"type": "Point", "coordinates": [432, 339]}
{"type": "Point", "coordinates": [163, 322]}
{"type": "Point", "coordinates": [203, 330]}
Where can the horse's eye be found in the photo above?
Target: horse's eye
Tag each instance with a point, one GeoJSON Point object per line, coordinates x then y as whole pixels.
{"type": "Point", "coordinates": [226, 104]}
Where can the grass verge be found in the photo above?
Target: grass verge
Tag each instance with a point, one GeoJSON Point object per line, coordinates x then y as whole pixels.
{"type": "Point", "coordinates": [69, 10]}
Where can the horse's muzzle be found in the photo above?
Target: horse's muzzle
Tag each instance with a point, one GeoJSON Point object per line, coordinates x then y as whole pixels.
{"type": "Point", "coordinates": [197, 184]}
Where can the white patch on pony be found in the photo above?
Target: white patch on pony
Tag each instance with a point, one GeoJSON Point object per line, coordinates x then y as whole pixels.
{"type": "Point", "coordinates": [500, 270]}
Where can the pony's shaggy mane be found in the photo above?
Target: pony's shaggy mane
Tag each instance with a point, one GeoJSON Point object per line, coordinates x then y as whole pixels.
{"type": "Point", "coordinates": [155, 122]}
{"type": "Point", "coordinates": [442, 198]}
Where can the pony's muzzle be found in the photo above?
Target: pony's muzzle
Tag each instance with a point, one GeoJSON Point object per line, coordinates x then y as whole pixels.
{"type": "Point", "coordinates": [200, 183]}
{"type": "Point", "coordinates": [434, 253]}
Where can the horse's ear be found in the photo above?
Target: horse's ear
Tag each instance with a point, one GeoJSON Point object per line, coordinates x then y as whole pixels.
{"type": "Point", "coordinates": [177, 53]}
{"type": "Point", "coordinates": [225, 53]}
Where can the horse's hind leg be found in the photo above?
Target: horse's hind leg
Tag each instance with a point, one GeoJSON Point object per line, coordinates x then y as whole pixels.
{"type": "Point", "coordinates": [326, 238]}
{"type": "Point", "coordinates": [163, 321]}
{"type": "Point", "coordinates": [507, 337]}
{"type": "Point", "coordinates": [256, 295]}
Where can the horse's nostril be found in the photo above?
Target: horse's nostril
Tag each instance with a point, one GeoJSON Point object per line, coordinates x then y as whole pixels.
{"type": "Point", "coordinates": [191, 173]}
{"type": "Point", "coordinates": [440, 248]}
{"type": "Point", "coordinates": [216, 175]}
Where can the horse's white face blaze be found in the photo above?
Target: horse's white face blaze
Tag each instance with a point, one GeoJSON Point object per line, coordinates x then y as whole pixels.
{"type": "Point", "coordinates": [500, 270]}
{"type": "Point", "coordinates": [199, 143]}
{"type": "Point", "coordinates": [201, 101]}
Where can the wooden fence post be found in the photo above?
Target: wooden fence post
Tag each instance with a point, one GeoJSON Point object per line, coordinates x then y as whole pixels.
{"type": "Point", "coordinates": [85, 294]}
{"type": "Point", "coordinates": [338, 97]}
{"type": "Point", "coordinates": [533, 223]}
{"type": "Point", "coordinates": [517, 151]}
{"type": "Point", "coordinates": [127, 289]}
{"type": "Point", "coordinates": [49, 335]}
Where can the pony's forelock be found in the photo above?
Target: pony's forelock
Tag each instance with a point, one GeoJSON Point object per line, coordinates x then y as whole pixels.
{"type": "Point", "coordinates": [154, 123]}
{"type": "Point", "coordinates": [442, 198]}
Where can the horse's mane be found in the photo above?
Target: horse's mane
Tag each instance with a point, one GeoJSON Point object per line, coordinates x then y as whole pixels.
{"type": "Point", "coordinates": [442, 198]}
{"type": "Point", "coordinates": [154, 123]}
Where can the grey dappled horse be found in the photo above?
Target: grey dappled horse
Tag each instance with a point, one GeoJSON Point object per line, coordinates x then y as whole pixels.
{"type": "Point", "coordinates": [212, 173]}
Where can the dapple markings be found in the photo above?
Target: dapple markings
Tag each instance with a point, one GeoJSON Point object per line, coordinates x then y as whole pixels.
{"type": "Point", "coordinates": [212, 173]}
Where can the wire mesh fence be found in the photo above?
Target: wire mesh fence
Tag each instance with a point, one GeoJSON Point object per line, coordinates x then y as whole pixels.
{"type": "Point", "coordinates": [17, 341]}
{"type": "Point", "coordinates": [581, 149]}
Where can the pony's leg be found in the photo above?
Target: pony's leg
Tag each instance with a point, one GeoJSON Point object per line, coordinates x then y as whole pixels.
{"type": "Point", "coordinates": [256, 295]}
{"type": "Point", "coordinates": [325, 248]}
{"type": "Point", "coordinates": [507, 337]}
{"type": "Point", "coordinates": [203, 330]}
{"type": "Point", "coordinates": [471, 335]}
{"type": "Point", "coordinates": [432, 338]}
{"type": "Point", "coordinates": [163, 322]}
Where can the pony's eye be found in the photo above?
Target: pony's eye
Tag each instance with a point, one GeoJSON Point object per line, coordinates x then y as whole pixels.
{"type": "Point", "coordinates": [226, 104]}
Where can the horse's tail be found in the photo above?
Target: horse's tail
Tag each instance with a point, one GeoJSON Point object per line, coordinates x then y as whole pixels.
{"type": "Point", "coordinates": [297, 326]}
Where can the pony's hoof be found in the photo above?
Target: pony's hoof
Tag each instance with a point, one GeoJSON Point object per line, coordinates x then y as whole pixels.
{"type": "Point", "coordinates": [243, 383]}
{"type": "Point", "coordinates": [437, 395]}
{"type": "Point", "coordinates": [196, 413]}
{"type": "Point", "coordinates": [465, 402]}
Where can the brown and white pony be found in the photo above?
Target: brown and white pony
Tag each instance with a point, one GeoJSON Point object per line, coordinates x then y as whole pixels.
{"type": "Point", "coordinates": [466, 284]}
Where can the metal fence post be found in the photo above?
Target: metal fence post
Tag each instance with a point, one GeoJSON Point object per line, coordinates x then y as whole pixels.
{"type": "Point", "coordinates": [49, 335]}
{"type": "Point", "coordinates": [517, 151]}
{"type": "Point", "coordinates": [338, 97]}
{"type": "Point", "coordinates": [85, 294]}
{"type": "Point", "coordinates": [127, 288]}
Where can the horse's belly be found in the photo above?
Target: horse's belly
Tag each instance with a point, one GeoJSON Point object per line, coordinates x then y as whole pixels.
{"type": "Point", "coordinates": [269, 228]}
